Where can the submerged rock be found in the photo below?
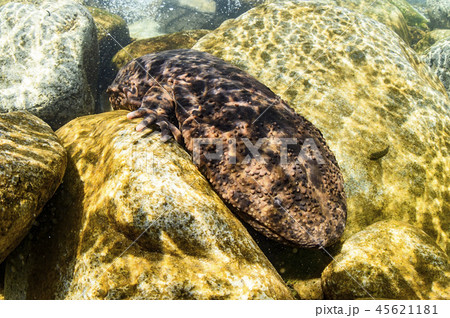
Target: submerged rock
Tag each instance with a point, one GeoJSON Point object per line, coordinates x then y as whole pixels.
{"type": "Point", "coordinates": [365, 89]}
{"type": "Point", "coordinates": [129, 10]}
{"type": "Point", "coordinates": [381, 10]}
{"type": "Point", "coordinates": [136, 220]}
{"type": "Point", "coordinates": [438, 58]}
{"type": "Point", "coordinates": [180, 15]}
{"type": "Point", "coordinates": [48, 60]}
{"type": "Point", "coordinates": [390, 260]}
{"type": "Point", "coordinates": [144, 29]}
{"type": "Point", "coordinates": [413, 17]}
{"type": "Point", "coordinates": [430, 38]}
{"type": "Point", "coordinates": [439, 13]}
{"type": "Point", "coordinates": [179, 40]}
{"type": "Point", "coordinates": [32, 164]}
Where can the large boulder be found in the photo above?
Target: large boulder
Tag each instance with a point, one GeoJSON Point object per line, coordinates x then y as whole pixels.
{"type": "Point", "coordinates": [381, 10]}
{"type": "Point", "coordinates": [382, 111]}
{"type": "Point", "coordinates": [430, 38]}
{"type": "Point", "coordinates": [413, 17]}
{"type": "Point", "coordinates": [48, 60]}
{"type": "Point", "coordinates": [388, 260]}
{"type": "Point", "coordinates": [439, 13]}
{"type": "Point", "coordinates": [438, 57]}
{"type": "Point", "coordinates": [136, 220]}
{"type": "Point", "coordinates": [32, 165]}
{"type": "Point", "coordinates": [179, 40]}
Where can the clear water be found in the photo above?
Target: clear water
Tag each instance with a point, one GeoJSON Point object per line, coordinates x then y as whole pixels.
{"type": "Point", "coordinates": [147, 19]}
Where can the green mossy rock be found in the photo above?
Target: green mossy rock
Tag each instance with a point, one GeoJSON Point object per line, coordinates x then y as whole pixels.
{"type": "Point", "coordinates": [430, 38]}
{"type": "Point", "coordinates": [32, 165]}
{"type": "Point", "coordinates": [366, 90]}
{"type": "Point", "coordinates": [179, 40]}
{"type": "Point", "coordinates": [390, 260]}
{"type": "Point", "coordinates": [412, 16]}
{"type": "Point", "coordinates": [136, 220]}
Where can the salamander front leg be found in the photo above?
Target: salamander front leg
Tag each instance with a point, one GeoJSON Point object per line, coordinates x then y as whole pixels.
{"type": "Point", "coordinates": [157, 108]}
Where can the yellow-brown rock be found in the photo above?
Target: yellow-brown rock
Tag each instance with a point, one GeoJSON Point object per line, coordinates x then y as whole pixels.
{"type": "Point", "coordinates": [430, 38]}
{"type": "Point", "coordinates": [309, 289]}
{"type": "Point", "coordinates": [390, 260]}
{"type": "Point", "coordinates": [382, 111]}
{"type": "Point", "coordinates": [136, 220]}
{"type": "Point", "coordinates": [32, 164]}
{"type": "Point", "coordinates": [179, 40]}
{"type": "Point", "coordinates": [383, 11]}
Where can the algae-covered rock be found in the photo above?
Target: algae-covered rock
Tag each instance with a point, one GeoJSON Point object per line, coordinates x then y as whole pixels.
{"type": "Point", "coordinates": [390, 260]}
{"type": "Point", "coordinates": [136, 220]}
{"type": "Point", "coordinates": [381, 10]}
{"type": "Point", "coordinates": [179, 40]}
{"type": "Point", "coordinates": [430, 38]}
{"type": "Point", "coordinates": [382, 111]}
{"type": "Point", "coordinates": [411, 15]}
{"type": "Point", "coordinates": [32, 164]}
{"type": "Point", "coordinates": [439, 13]}
{"type": "Point", "coordinates": [48, 60]}
{"type": "Point", "coordinates": [113, 35]}
{"type": "Point", "coordinates": [309, 289]}
{"type": "Point", "coordinates": [438, 57]}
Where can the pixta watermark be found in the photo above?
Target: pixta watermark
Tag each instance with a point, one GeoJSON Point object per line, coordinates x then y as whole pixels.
{"type": "Point", "coordinates": [306, 150]}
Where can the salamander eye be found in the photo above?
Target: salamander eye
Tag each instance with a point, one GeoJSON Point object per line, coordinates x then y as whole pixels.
{"type": "Point", "coordinates": [131, 90]}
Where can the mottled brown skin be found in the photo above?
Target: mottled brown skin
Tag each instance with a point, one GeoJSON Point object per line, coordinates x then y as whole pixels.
{"type": "Point", "coordinates": [191, 94]}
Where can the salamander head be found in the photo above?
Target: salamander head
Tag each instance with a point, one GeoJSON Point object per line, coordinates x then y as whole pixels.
{"type": "Point", "coordinates": [123, 92]}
